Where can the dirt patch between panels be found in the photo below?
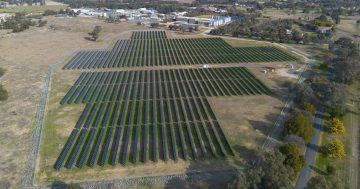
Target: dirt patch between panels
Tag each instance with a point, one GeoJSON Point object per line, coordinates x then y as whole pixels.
{"type": "Point", "coordinates": [246, 120]}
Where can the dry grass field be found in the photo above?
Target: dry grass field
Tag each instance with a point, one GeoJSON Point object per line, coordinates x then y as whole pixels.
{"type": "Point", "coordinates": [26, 56]}
{"type": "Point", "coordinates": [288, 14]}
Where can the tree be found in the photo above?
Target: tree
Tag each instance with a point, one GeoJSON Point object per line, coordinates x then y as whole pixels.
{"type": "Point", "coordinates": [42, 23]}
{"type": "Point", "coordinates": [319, 182]}
{"type": "Point", "coordinates": [95, 33]}
{"type": "Point", "coordinates": [299, 125]}
{"type": "Point", "coordinates": [306, 38]}
{"type": "Point", "coordinates": [303, 92]}
{"type": "Point", "coordinates": [269, 172]}
{"type": "Point", "coordinates": [335, 126]}
{"type": "Point", "coordinates": [307, 106]}
{"type": "Point", "coordinates": [154, 25]}
{"type": "Point", "coordinates": [3, 94]}
{"type": "Point", "coordinates": [297, 35]}
{"type": "Point", "coordinates": [293, 158]}
{"type": "Point", "coordinates": [335, 149]}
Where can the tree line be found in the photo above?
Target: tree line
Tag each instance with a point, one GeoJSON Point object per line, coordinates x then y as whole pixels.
{"type": "Point", "coordinates": [20, 22]}
{"type": "Point", "coordinates": [275, 30]}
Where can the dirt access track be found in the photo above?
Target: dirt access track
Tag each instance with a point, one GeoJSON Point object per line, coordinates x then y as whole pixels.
{"type": "Point", "coordinates": [27, 56]}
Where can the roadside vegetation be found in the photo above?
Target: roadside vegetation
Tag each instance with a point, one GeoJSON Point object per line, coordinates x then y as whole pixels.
{"type": "Point", "coordinates": [331, 90]}
{"type": "Point", "coordinates": [3, 93]}
{"type": "Point", "coordinates": [299, 125]}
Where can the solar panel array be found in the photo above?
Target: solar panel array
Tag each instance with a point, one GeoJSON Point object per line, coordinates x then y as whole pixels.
{"type": "Point", "coordinates": [136, 116]}
{"type": "Point", "coordinates": [151, 115]}
{"type": "Point", "coordinates": [154, 49]}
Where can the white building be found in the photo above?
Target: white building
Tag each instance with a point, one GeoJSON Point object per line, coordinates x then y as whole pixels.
{"type": "Point", "coordinates": [90, 12]}
{"type": "Point", "coordinates": [213, 21]}
{"type": "Point", "coordinates": [4, 16]}
{"type": "Point", "coordinates": [120, 11]}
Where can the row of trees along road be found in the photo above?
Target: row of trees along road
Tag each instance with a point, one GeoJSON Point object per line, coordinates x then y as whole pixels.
{"type": "Point", "coordinates": [329, 91]}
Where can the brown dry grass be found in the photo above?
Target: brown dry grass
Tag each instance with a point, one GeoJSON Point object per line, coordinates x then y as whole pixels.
{"type": "Point", "coordinates": [246, 120]}
{"type": "Point", "coordinates": [26, 56]}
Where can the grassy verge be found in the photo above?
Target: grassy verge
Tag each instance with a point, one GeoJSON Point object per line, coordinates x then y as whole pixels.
{"type": "Point", "coordinates": [245, 43]}
{"type": "Point", "coordinates": [343, 166]}
{"type": "Point", "coordinates": [207, 15]}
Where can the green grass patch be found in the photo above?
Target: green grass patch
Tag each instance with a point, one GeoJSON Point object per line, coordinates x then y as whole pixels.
{"type": "Point", "coordinates": [245, 43]}
{"type": "Point", "coordinates": [350, 119]}
{"type": "Point", "coordinates": [32, 9]}
{"type": "Point", "coordinates": [207, 15]}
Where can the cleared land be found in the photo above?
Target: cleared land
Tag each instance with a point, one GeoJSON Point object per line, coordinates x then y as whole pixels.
{"type": "Point", "coordinates": [26, 56]}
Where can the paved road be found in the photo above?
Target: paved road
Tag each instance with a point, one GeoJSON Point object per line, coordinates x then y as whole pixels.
{"type": "Point", "coordinates": [312, 149]}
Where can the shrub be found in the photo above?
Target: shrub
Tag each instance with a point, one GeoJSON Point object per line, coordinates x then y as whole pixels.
{"type": "Point", "coordinates": [320, 182]}
{"type": "Point", "coordinates": [308, 107]}
{"type": "Point", "coordinates": [3, 94]}
{"type": "Point", "coordinates": [299, 125]}
{"type": "Point", "coordinates": [331, 170]}
{"type": "Point", "coordinates": [154, 25]}
{"type": "Point", "coordinates": [2, 71]}
{"type": "Point", "coordinates": [50, 12]}
{"type": "Point", "coordinates": [335, 111]}
{"type": "Point", "coordinates": [42, 23]}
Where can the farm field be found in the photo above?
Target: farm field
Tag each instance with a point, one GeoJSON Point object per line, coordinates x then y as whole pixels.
{"type": "Point", "coordinates": [152, 115]}
{"type": "Point", "coordinates": [154, 49]}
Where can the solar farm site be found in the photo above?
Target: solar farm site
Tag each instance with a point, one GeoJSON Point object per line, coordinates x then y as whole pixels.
{"type": "Point", "coordinates": [155, 49]}
{"type": "Point", "coordinates": [151, 114]}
